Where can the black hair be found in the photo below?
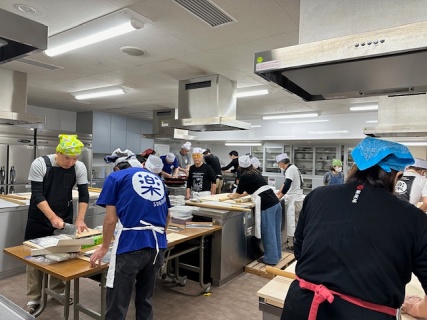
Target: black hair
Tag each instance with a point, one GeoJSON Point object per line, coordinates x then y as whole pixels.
{"type": "Point", "coordinates": [122, 165]}
{"type": "Point", "coordinates": [206, 151]}
{"type": "Point", "coordinates": [233, 153]}
{"type": "Point", "coordinates": [374, 176]}
{"type": "Point", "coordinates": [285, 161]}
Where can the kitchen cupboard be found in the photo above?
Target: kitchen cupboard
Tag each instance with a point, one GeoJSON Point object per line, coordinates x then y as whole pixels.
{"type": "Point", "coordinates": [270, 153]}
{"type": "Point", "coordinates": [258, 153]}
{"type": "Point", "coordinates": [110, 131]}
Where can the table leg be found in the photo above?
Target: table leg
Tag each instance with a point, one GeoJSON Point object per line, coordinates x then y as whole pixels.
{"type": "Point", "coordinates": [205, 286]}
{"type": "Point", "coordinates": [103, 294]}
{"type": "Point", "coordinates": [76, 298]}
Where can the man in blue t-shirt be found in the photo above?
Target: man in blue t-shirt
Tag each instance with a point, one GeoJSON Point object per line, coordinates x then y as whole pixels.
{"type": "Point", "coordinates": [136, 200]}
{"type": "Point", "coordinates": [170, 166]}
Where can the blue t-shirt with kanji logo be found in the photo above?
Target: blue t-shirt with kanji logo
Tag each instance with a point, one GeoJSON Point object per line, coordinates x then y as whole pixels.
{"type": "Point", "coordinates": [137, 195]}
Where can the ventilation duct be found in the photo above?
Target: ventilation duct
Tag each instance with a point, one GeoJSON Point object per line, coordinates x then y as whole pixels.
{"type": "Point", "coordinates": [13, 99]}
{"type": "Point", "coordinates": [207, 104]}
{"type": "Point", "coordinates": [206, 11]}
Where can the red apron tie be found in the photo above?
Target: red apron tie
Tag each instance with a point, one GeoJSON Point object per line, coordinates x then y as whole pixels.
{"type": "Point", "coordinates": [322, 293]}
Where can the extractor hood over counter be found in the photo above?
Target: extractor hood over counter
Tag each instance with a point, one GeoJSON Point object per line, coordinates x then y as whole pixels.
{"type": "Point", "coordinates": [20, 36]}
{"type": "Point", "coordinates": [385, 62]}
{"type": "Point", "coordinates": [13, 99]}
{"type": "Point", "coordinates": [162, 132]}
{"type": "Point", "coordinates": [207, 104]}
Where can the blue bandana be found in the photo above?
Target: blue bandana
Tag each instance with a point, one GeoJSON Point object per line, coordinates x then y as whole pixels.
{"type": "Point", "coordinates": [386, 154]}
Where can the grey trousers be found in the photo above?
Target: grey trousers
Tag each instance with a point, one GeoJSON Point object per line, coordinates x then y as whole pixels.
{"type": "Point", "coordinates": [134, 269]}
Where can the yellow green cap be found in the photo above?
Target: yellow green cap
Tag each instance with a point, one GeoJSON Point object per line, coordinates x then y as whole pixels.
{"type": "Point", "coordinates": [69, 145]}
{"type": "Point", "coordinates": [336, 163]}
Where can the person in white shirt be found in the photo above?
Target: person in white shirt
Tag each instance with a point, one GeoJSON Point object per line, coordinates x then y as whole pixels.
{"type": "Point", "coordinates": [292, 190]}
{"type": "Point", "coordinates": [412, 186]}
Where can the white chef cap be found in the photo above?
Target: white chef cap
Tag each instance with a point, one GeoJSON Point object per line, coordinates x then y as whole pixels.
{"type": "Point", "coordinates": [245, 161]}
{"type": "Point", "coordinates": [420, 163]}
{"type": "Point", "coordinates": [255, 162]}
{"type": "Point", "coordinates": [154, 164]}
{"type": "Point", "coordinates": [198, 150]}
{"type": "Point", "coordinates": [281, 157]}
{"type": "Point", "coordinates": [186, 146]}
{"type": "Point", "coordinates": [170, 157]}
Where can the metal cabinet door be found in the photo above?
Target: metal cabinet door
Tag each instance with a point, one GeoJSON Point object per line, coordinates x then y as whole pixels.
{"type": "Point", "coordinates": [20, 158]}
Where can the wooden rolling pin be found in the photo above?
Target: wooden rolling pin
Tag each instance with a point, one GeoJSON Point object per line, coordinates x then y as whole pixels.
{"type": "Point", "coordinates": [13, 196]}
{"type": "Point", "coordinates": [237, 200]}
{"type": "Point", "coordinates": [9, 199]}
{"type": "Point", "coordinates": [280, 272]}
{"type": "Point", "coordinates": [94, 189]}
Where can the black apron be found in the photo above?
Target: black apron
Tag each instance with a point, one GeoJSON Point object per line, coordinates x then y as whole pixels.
{"type": "Point", "coordinates": [58, 185]}
{"type": "Point", "coordinates": [403, 187]}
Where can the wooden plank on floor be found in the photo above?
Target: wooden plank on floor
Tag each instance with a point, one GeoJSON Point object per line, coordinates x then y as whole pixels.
{"type": "Point", "coordinates": [258, 268]}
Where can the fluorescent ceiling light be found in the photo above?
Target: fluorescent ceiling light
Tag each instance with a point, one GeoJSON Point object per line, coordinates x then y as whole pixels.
{"type": "Point", "coordinates": [291, 116]}
{"type": "Point", "coordinates": [99, 93]}
{"type": "Point", "coordinates": [243, 144]}
{"type": "Point", "coordinates": [304, 121]}
{"type": "Point", "coordinates": [256, 126]}
{"type": "Point", "coordinates": [252, 93]}
{"type": "Point", "coordinates": [371, 121]}
{"type": "Point", "coordinates": [415, 144]}
{"type": "Point", "coordinates": [328, 132]}
{"type": "Point", "coordinates": [100, 29]}
{"type": "Point", "coordinates": [364, 108]}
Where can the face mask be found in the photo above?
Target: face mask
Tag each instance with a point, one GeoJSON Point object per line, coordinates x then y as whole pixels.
{"type": "Point", "coordinates": [338, 169]}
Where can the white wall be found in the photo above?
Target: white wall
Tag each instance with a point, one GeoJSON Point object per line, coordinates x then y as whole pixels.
{"type": "Point", "coordinates": [321, 20]}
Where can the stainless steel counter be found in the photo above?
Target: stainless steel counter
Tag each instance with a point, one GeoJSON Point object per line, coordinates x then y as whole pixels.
{"type": "Point", "coordinates": [231, 247]}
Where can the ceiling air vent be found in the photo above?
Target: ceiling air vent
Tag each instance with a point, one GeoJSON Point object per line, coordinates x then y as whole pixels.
{"type": "Point", "coordinates": [207, 11]}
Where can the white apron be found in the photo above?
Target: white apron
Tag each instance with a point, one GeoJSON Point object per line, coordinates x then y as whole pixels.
{"type": "Point", "coordinates": [120, 228]}
{"type": "Point", "coordinates": [257, 200]}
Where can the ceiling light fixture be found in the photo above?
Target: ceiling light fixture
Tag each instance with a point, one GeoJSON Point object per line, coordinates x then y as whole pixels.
{"type": "Point", "coordinates": [365, 108]}
{"type": "Point", "coordinates": [256, 126]}
{"type": "Point", "coordinates": [291, 116]}
{"type": "Point", "coordinates": [98, 93]}
{"type": "Point", "coordinates": [371, 121]}
{"type": "Point", "coordinates": [304, 121]}
{"type": "Point", "coordinates": [414, 144]}
{"type": "Point", "coordinates": [243, 144]}
{"type": "Point", "coordinates": [105, 27]}
{"type": "Point", "coordinates": [252, 93]}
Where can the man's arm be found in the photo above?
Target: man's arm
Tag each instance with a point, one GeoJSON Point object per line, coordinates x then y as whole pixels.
{"type": "Point", "coordinates": [108, 228]}
{"type": "Point", "coordinates": [82, 207]}
{"type": "Point", "coordinates": [285, 188]}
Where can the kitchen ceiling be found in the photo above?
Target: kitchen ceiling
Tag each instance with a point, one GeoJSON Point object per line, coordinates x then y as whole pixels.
{"type": "Point", "coordinates": [177, 45]}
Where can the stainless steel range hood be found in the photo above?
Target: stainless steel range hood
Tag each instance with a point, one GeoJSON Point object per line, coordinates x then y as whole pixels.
{"type": "Point", "coordinates": [384, 62]}
{"type": "Point", "coordinates": [207, 104]}
{"type": "Point", "coordinates": [20, 36]}
{"type": "Point", "coordinates": [13, 99]}
{"type": "Point", "coordinates": [164, 132]}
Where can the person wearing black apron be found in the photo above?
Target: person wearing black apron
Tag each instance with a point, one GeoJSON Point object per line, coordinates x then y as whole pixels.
{"type": "Point", "coordinates": [412, 186]}
{"type": "Point", "coordinates": [51, 206]}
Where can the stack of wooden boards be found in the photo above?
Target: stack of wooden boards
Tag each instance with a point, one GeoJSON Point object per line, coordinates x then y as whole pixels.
{"type": "Point", "coordinates": [222, 202]}
{"type": "Point", "coordinates": [58, 244]}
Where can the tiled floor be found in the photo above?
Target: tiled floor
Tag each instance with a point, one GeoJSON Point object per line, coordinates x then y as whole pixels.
{"type": "Point", "coordinates": [235, 300]}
